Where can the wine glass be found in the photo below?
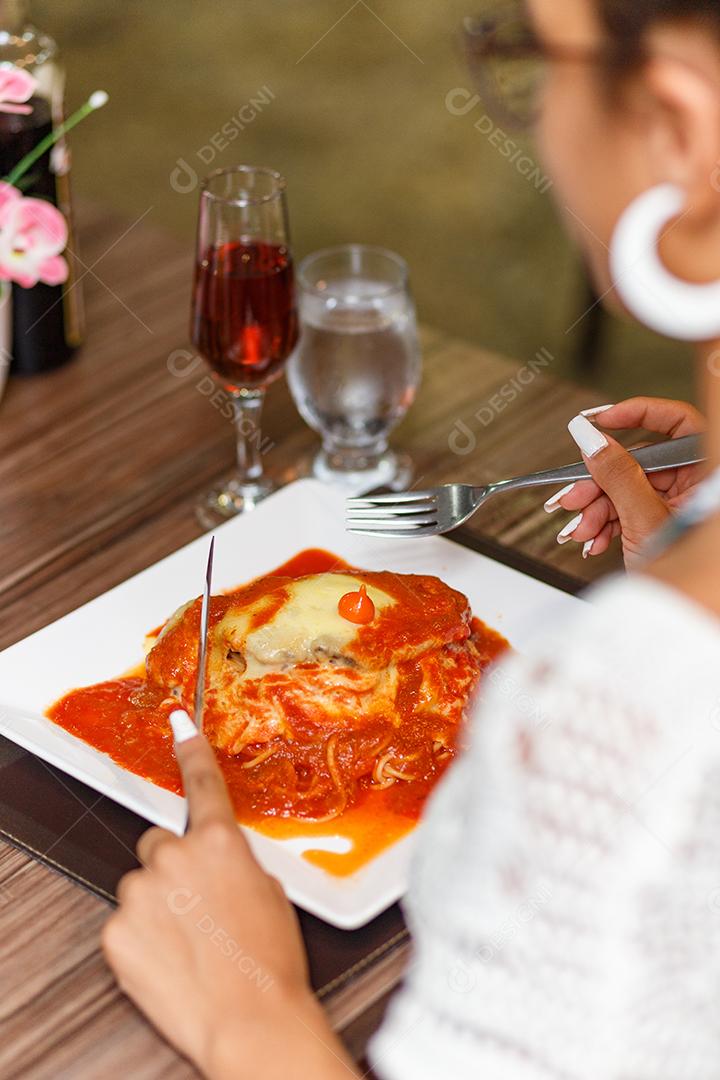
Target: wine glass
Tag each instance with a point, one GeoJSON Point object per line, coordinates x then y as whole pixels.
{"type": "Point", "coordinates": [244, 317]}
{"type": "Point", "coordinates": [356, 368]}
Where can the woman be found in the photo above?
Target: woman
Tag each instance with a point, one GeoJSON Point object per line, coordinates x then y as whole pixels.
{"type": "Point", "coordinates": [566, 902]}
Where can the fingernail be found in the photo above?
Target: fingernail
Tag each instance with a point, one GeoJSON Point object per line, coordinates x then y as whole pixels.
{"type": "Point", "coordinates": [553, 503]}
{"type": "Point", "coordinates": [589, 439]}
{"type": "Point", "coordinates": [596, 411]}
{"type": "Point", "coordinates": [587, 547]}
{"type": "Point", "coordinates": [565, 535]}
{"type": "Point", "coordinates": [182, 726]}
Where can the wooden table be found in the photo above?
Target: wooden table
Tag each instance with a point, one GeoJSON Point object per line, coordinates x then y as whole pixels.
{"type": "Point", "coordinates": [101, 464]}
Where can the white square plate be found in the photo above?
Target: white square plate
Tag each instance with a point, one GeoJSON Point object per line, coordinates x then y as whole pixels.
{"type": "Point", "coordinates": [104, 638]}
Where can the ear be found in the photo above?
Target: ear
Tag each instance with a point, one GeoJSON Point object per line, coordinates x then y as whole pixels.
{"type": "Point", "coordinates": [683, 116]}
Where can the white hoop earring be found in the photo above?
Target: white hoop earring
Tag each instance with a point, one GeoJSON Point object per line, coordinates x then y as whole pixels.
{"type": "Point", "coordinates": [649, 291]}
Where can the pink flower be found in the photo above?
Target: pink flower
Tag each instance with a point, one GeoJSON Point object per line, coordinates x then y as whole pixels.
{"type": "Point", "coordinates": [33, 233]}
{"type": "Point", "coordinates": [16, 85]}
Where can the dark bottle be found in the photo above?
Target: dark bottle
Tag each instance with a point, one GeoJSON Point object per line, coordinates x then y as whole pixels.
{"type": "Point", "coordinates": [47, 319]}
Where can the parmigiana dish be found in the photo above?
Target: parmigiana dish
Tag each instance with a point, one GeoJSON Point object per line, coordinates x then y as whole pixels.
{"type": "Point", "coordinates": [310, 711]}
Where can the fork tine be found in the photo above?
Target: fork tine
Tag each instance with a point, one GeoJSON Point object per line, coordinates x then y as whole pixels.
{"type": "Point", "coordinates": [389, 500]}
{"type": "Point", "coordinates": [400, 525]}
{"type": "Point", "coordinates": [393, 534]}
{"type": "Point", "coordinates": [403, 510]}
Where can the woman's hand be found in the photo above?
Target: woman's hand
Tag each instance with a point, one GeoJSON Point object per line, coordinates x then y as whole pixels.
{"type": "Point", "coordinates": [207, 945]}
{"type": "Point", "coordinates": [621, 500]}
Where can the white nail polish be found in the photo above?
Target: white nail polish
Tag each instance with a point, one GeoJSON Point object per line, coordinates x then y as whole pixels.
{"type": "Point", "coordinates": [566, 534]}
{"type": "Point", "coordinates": [587, 547]}
{"type": "Point", "coordinates": [182, 726]}
{"type": "Point", "coordinates": [586, 435]}
{"type": "Point", "coordinates": [553, 503]}
{"type": "Point", "coordinates": [596, 411]}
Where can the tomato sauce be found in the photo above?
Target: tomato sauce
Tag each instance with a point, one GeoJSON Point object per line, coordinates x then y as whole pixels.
{"type": "Point", "coordinates": [127, 719]}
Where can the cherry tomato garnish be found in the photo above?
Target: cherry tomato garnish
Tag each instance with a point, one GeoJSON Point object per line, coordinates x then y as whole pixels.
{"type": "Point", "coordinates": [357, 607]}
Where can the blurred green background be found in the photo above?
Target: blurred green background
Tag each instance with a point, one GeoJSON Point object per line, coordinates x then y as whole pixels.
{"type": "Point", "coordinates": [350, 103]}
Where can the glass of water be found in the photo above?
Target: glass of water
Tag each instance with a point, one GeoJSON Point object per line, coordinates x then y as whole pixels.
{"type": "Point", "coordinates": [356, 368]}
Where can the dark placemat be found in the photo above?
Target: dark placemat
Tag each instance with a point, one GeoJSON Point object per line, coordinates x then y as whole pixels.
{"type": "Point", "coordinates": [91, 839]}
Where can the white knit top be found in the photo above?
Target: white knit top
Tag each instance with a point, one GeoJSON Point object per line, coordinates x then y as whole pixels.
{"type": "Point", "coordinates": [565, 898]}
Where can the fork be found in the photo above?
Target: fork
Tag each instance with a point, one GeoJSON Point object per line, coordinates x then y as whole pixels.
{"type": "Point", "coordinates": [410, 514]}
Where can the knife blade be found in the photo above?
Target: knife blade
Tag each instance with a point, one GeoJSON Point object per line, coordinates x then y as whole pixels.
{"type": "Point", "coordinates": [202, 641]}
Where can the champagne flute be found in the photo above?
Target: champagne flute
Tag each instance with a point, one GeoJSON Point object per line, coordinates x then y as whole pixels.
{"type": "Point", "coordinates": [244, 318]}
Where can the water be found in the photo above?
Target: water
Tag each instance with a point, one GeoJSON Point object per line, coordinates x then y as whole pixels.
{"type": "Point", "coordinates": [356, 368]}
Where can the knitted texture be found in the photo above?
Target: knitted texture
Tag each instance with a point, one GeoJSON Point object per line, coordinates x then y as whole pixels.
{"type": "Point", "coordinates": [565, 896]}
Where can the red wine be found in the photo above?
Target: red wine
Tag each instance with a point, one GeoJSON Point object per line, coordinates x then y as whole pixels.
{"type": "Point", "coordinates": [244, 318]}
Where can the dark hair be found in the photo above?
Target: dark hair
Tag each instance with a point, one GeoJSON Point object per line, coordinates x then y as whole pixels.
{"type": "Point", "coordinates": [626, 21]}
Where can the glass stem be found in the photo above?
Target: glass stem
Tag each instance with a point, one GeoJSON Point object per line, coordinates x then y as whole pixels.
{"type": "Point", "coordinates": [248, 413]}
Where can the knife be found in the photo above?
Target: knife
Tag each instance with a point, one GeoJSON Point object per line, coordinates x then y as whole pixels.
{"type": "Point", "coordinates": [202, 642]}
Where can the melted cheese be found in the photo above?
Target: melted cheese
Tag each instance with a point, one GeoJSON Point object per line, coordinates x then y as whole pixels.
{"type": "Point", "coordinates": [306, 628]}
{"type": "Point", "coordinates": [282, 660]}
